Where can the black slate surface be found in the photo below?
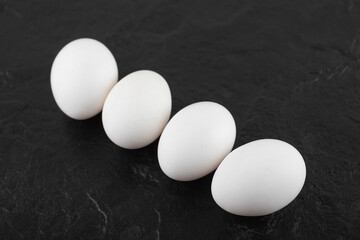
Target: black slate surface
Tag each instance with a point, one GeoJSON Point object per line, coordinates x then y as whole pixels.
{"type": "Point", "coordinates": [285, 69]}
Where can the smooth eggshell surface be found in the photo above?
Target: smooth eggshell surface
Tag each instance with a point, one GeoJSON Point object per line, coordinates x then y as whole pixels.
{"type": "Point", "coordinates": [196, 140]}
{"type": "Point", "coordinates": [259, 178]}
{"type": "Point", "coordinates": [137, 109]}
{"type": "Point", "coordinates": [82, 75]}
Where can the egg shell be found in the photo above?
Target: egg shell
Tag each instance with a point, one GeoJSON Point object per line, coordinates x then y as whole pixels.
{"type": "Point", "coordinates": [82, 75]}
{"type": "Point", "coordinates": [137, 109]}
{"type": "Point", "coordinates": [259, 178]}
{"type": "Point", "coordinates": [196, 140]}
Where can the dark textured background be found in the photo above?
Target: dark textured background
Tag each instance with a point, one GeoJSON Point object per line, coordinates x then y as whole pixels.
{"type": "Point", "coordinates": [285, 69]}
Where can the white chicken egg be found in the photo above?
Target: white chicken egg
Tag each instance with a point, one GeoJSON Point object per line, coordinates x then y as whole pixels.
{"type": "Point", "coordinates": [137, 109]}
{"type": "Point", "coordinates": [196, 140]}
{"type": "Point", "coordinates": [259, 178]}
{"type": "Point", "coordinates": [82, 75]}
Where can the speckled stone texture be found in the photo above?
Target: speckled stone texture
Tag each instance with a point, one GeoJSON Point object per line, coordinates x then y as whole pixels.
{"type": "Point", "coordinates": [285, 69]}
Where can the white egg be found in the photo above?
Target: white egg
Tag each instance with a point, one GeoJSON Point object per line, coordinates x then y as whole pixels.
{"type": "Point", "coordinates": [137, 109]}
{"type": "Point", "coordinates": [82, 75]}
{"type": "Point", "coordinates": [196, 140]}
{"type": "Point", "coordinates": [259, 178]}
